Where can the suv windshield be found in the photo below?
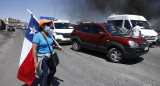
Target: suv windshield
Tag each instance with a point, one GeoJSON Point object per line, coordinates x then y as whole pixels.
{"type": "Point", "coordinates": [113, 30]}
{"type": "Point", "coordinates": [143, 24]}
{"type": "Point", "coordinates": [63, 26]}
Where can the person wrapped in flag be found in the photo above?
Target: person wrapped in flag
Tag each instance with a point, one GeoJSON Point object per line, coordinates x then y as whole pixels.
{"type": "Point", "coordinates": [28, 59]}
{"type": "Point", "coordinates": [41, 50]}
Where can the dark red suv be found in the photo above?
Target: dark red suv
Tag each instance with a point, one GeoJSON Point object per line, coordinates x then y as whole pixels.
{"type": "Point", "coordinates": [108, 39]}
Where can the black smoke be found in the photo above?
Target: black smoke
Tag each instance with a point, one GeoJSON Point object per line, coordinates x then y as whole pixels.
{"type": "Point", "coordinates": [148, 8]}
{"type": "Point", "coordinates": [99, 10]}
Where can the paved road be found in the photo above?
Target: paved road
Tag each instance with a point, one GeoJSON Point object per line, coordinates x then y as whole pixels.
{"type": "Point", "coordinates": [85, 68]}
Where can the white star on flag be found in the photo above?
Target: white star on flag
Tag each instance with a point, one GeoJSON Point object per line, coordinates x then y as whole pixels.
{"type": "Point", "coordinates": [33, 30]}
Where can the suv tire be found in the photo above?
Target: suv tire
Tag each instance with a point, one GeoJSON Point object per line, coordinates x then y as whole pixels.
{"type": "Point", "coordinates": [115, 55]}
{"type": "Point", "coordinates": [76, 46]}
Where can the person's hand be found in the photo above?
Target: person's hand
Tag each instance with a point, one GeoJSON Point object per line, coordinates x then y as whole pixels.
{"type": "Point", "coordinates": [36, 65]}
{"type": "Point", "coordinates": [56, 47]}
{"type": "Point", "coordinates": [60, 48]}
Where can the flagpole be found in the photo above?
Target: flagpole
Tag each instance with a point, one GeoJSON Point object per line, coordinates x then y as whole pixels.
{"type": "Point", "coordinates": [33, 15]}
{"type": "Point", "coordinates": [38, 22]}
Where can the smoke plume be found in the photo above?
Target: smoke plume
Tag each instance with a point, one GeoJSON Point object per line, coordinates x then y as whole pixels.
{"type": "Point", "coordinates": [99, 10]}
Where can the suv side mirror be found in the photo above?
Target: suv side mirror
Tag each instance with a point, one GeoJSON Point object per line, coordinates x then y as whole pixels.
{"type": "Point", "coordinates": [102, 33]}
{"type": "Point", "coordinates": [52, 27]}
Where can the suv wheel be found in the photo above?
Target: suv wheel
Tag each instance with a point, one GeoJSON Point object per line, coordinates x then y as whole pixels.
{"type": "Point", "coordinates": [76, 46]}
{"type": "Point", "coordinates": [115, 55]}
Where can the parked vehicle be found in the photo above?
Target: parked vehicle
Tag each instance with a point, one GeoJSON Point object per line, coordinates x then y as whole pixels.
{"type": "Point", "coordinates": [11, 28]}
{"type": "Point", "coordinates": [24, 27]}
{"type": "Point", "coordinates": [126, 21]}
{"type": "Point", "coordinates": [2, 25]}
{"type": "Point", "coordinates": [73, 25]}
{"type": "Point", "coordinates": [108, 39]}
{"type": "Point", "coordinates": [19, 27]}
{"type": "Point", "coordinates": [61, 30]}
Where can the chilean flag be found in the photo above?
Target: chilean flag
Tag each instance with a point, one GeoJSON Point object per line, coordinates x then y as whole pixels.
{"type": "Point", "coordinates": [26, 71]}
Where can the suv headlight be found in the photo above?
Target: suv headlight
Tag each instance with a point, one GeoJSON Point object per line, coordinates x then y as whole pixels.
{"type": "Point", "coordinates": [133, 44]}
{"type": "Point", "coordinates": [58, 33]}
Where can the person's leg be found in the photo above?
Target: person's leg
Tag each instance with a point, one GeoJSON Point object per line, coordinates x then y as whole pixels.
{"type": "Point", "coordinates": [45, 73]}
{"type": "Point", "coordinates": [51, 76]}
{"type": "Point", "coordinates": [52, 73]}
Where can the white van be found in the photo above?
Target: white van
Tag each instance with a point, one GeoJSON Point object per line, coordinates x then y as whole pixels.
{"type": "Point", "coordinates": [61, 30]}
{"type": "Point", "coordinates": [125, 23]}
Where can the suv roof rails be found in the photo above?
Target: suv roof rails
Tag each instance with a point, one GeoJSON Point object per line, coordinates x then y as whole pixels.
{"type": "Point", "coordinates": [103, 23]}
{"type": "Point", "coordinates": [84, 22]}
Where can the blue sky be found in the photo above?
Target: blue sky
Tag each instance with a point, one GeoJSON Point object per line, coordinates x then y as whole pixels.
{"type": "Point", "coordinates": [73, 10]}
{"type": "Point", "coordinates": [17, 9]}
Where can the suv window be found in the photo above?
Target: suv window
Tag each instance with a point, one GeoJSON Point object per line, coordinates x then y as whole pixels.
{"type": "Point", "coordinates": [116, 22]}
{"type": "Point", "coordinates": [86, 29]}
{"type": "Point", "coordinates": [79, 29]}
{"type": "Point", "coordinates": [113, 30]}
{"type": "Point", "coordinates": [96, 29]}
{"type": "Point", "coordinates": [127, 25]}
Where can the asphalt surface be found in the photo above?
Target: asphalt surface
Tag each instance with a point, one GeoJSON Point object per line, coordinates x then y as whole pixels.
{"type": "Point", "coordinates": [85, 68]}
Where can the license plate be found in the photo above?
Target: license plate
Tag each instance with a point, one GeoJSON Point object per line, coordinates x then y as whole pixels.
{"type": "Point", "coordinates": [67, 38]}
{"type": "Point", "coordinates": [146, 48]}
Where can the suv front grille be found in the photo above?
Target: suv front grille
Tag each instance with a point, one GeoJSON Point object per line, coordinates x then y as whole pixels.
{"type": "Point", "coordinates": [143, 44]}
{"type": "Point", "coordinates": [150, 37]}
{"type": "Point", "coordinates": [66, 35]}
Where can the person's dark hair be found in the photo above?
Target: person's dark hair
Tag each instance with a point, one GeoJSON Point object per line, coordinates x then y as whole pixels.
{"type": "Point", "coordinates": [40, 29]}
{"type": "Point", "coordinates": [134, 24]}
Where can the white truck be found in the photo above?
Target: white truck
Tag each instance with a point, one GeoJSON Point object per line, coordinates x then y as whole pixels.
{"type": "Point", "coordinates": [125, 22]}
{"type": "Point", "coordinates": [61, 30]}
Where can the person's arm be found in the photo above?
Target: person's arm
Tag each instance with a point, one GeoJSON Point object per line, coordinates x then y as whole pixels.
{"type": "Point", "coordinates": [35, 55]}
{"type": "Point", "coordinates": [139, 32]}
{"type": "Point", "coordinates": [56, 47]}
{"type": "Point", "coordinates": [130, 31]}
